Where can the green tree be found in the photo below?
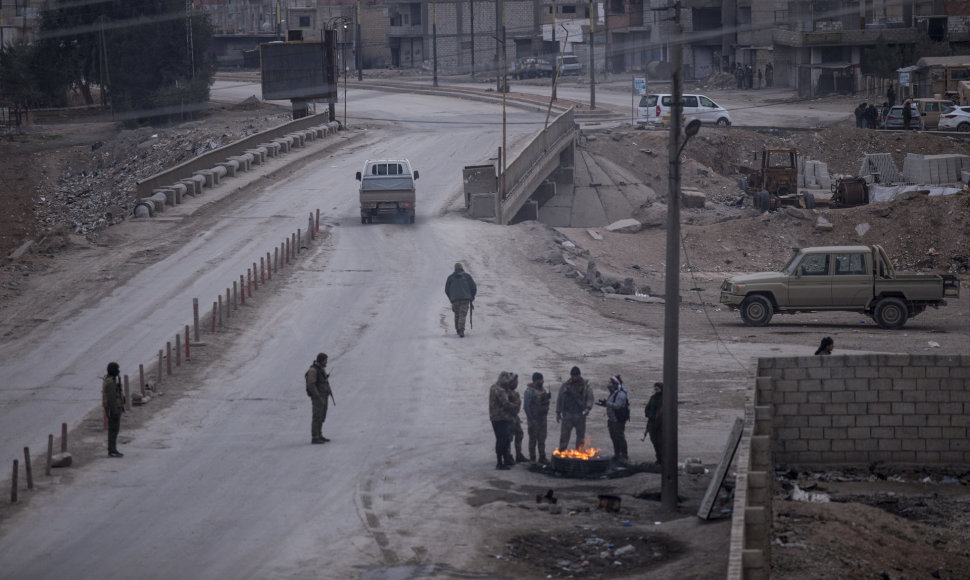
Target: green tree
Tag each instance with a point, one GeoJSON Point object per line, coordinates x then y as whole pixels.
{"type": "Point", "coordinates": [137, 51]}
{"type": "Point", "coordinates": [18, 84]}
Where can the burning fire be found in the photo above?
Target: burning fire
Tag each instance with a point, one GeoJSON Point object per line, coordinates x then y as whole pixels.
{"type": "Point", "coordinates": [581, 453]}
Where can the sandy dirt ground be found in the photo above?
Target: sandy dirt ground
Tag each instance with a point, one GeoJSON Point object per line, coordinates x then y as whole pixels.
{"type": "Point", "coordinates": [889, 525]}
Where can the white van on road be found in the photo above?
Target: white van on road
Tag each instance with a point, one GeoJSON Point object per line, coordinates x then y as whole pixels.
{"type": "Point", "coordinates": [654, 107]}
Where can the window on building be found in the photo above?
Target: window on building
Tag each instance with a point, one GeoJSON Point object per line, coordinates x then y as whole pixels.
{"type": "Point", "coordinates": [304, 22]}
{"type": "Point", "coordinates": [568, 9]}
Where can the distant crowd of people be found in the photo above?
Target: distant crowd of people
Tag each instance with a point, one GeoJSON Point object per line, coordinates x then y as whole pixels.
{"type": "Point", "coordinates": [750, 78]}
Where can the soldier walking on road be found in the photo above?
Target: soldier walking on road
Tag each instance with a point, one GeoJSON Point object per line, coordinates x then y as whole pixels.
{"type": "Point", "coordinates": [501, 409]}
{"type": "Point", "coordinates": [536, 414]}
{"type": "Point", "coordinates": [654, 413]}
{"type": "Point", "coordinates": [461, 290]}
{"type": "Point", "coordinates": [318, 389]}
{"type": "Point", "coordinates": [113, 402]}
{"type": "Point", "coordinates": [572, 406]}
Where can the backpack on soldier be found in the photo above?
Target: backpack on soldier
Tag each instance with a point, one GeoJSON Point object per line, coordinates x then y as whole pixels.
{"type": "Point", "coordinates": [623, 413]}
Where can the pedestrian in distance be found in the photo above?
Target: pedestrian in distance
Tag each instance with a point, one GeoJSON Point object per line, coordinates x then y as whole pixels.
{"type": "Point", "coordinates": [859, 113]}
{"type": "Point", "coordinates": [825, 348]}
{"type": "Point", "coordinates": [574, 403]}
{"type": "Point", "coordinates": [501, 410]}
{"type": "Point", "coordinates": [891, 95]}
{"type": "Point", "coordinates": [537, 414]}
{"type": "Point", "coordinates": [872, 116]}
{"type": "Point", "coordinates": [769, 74]}
{"type": "Point", "coordinates": [460, 289]}
{"type": "Point", "coordinates": [907, 114]}
{"type": "Point", "coordinates": [617, 414]}
{"type": "Point", "coordinates": [654, 414]}
{"type": "Point", "coordinates": [517, 433]}
{"type": "Point", "coordinates": [113, 402]}
{"type": "Point", "coordinates": [759, 78]}
{"type": "Point", "coordinates": [318, 389]}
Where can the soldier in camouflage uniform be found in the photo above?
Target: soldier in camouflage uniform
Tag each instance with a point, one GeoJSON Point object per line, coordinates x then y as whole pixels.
{"type": "Point", "coordinates": [113, 402]}
{"type": "Point", "coordinates": [461, 290]}
{"type": "Point", "coordinates": [318, 389]}
{"type": "Point", "coordinates": [572, 406]}
{"type": "Point", "coordinates": [536, 414]}
{"type": "Point", "coordinates": [501, 410]}
{"type": "Point", "coordinates": [517, 433]}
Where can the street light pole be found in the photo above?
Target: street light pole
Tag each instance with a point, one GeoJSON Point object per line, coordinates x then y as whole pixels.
{"type": "Point", "coordinates": [668, 489]}
{"type": "Point", "coordinates": [343, 57]}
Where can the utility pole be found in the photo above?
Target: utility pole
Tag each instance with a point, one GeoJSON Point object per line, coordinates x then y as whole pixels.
{"type": "Point", "coordinates": [358, 58]}
{"type": "Point", "coordinates": [434, 41]}
{"type": "Point", "coordinates": [471, 7]}
{"type": "Point", "coordinates": [188, 37]}
{"type": "Point", "coordinates": [499, 44]}
{"type": "Point", "coordinates": [555, 56]}
{"type": "Point", "coordinates": [592, 59]}
{"type": "Point", "coordinates": [668, 488]}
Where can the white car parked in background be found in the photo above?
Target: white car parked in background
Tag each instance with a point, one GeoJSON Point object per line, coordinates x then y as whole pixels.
{"type": "Point", "coordinates": [957, 118]}
{"type": "Point", "coordinates": [655, 107]}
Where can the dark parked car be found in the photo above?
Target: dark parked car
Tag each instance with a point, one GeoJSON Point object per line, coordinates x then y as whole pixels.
{"type": "Point", "coordinates": [894, 120]}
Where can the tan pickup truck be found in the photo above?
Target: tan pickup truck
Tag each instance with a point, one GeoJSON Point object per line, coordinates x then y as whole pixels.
{"type": "Point", "coordinates": [848, 278]}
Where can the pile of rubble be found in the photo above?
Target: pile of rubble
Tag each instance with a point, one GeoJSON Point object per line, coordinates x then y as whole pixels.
{"type": "Point", "coordinates": [95, 188]}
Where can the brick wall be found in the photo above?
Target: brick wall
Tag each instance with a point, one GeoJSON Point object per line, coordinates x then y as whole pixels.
{"type": "Point", "coordinates": [860, 409]}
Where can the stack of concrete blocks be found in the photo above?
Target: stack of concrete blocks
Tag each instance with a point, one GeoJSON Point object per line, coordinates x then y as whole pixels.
{"type": "Point", "coordinates": [935, 169]}
{"type": "Point", "coordinates": [813, 174]}
{"type": "Point", "coordinates": [879, 168]}
{"type": "Point", "coordinates": [172, 195]}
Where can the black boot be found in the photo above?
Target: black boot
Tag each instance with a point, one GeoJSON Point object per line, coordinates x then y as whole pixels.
{"type": "Point", "coordinates": [508, 460]}
{"type": "Point", "coordinates": [501, 462]}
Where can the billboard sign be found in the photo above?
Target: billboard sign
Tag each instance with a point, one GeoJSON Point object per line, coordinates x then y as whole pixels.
{"type": "Point", "coordinates": [299, 70]}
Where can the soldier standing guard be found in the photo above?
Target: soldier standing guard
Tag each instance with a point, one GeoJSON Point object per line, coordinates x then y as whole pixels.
{"type": "Point", "coordinates": [572, 406]}
{"type": "Point", "coordinates": [113, 402]}
{"type": "Point", "coordinates": [536, 414]}
{"type": "Point", "coordinates": [318, 389]}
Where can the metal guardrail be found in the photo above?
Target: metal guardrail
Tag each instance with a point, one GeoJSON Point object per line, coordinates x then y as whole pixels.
{"type": "Point", "coordinates": [207, 160]}
{"type": "Point", "coordinates": [549, 141]}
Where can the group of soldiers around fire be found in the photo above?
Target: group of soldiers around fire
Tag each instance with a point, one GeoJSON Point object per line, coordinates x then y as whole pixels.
{"type": "Point", "coordinates": [573, 405]}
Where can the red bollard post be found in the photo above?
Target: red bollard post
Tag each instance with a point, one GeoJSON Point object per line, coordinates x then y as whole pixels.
{"type": "Point", "coordinates": [63, 437]}
{"type": "Point", "coordinates": [195, 319]}
{"type": "Point", "coordinates": [255, 279]}
{"type": "Point", "coordinates": [262, 271]}
{"type": "Point", "coordinates": [318, 220]}
{"type": "Point", "coordinates": [168, 357]}
{"type": "Point", "coordinates": [293, 250]}
{"type": "Point", "coordinates": [30, 476]}
{"type": "Point", "coordinates": [158, 378]}
{"type": "Point", "coordinates": [285, 247]}
{"type": "Point", "coordinates": [186, 343]}
{"type": "Point", "coordinates": [249, 282]}
{"type": "Point", "coordinates": [178, 350]}
{"type": "Point", "coordinates": [269, 265]}
{"type": "Point", "coordinates": [214, 310]}
{"type": "Point", "coordinates": [311, 229]}
{"type": "Point", "coordinates": [50, 453]}
{"type": "Point", "coordinates": [229, 304]}
{"type": "Point", "coordinates": [141, 379]}
{"type": "Point", "coordinates": [13, 481]}
{"type": "Point", "coordinates": [299, 240]}
{"type": "Point", "coordinates": [242, 290]}
{"type": "Point", "coordinates": [276, 259]}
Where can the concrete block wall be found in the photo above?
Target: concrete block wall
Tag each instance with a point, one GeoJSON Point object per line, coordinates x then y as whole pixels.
{"type": "Point", "coordinates": [881, 165]}
{"type": "Point", "coordinates": [934, 169]}
{"type": "Point", "coordinates": [860, 409]}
